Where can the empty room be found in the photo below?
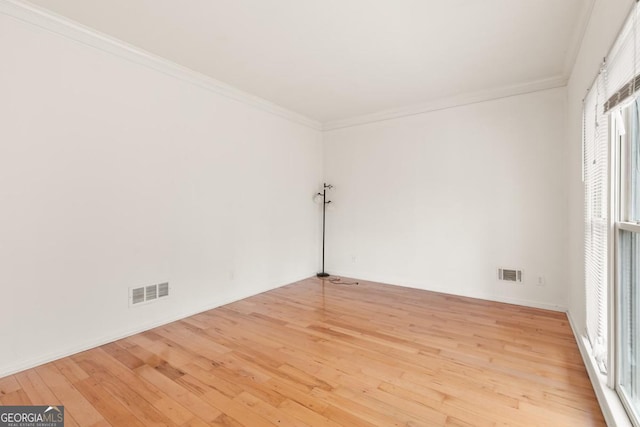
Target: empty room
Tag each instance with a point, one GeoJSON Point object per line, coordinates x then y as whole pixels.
{"type": "Point", "coordinates": [319, 213]}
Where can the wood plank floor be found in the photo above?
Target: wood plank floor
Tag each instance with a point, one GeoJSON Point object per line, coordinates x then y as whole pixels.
{"type": "Point", "coordinates": [315, 353]}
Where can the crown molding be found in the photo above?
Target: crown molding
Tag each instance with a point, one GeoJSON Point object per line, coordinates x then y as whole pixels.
{"type": "Point", "coordinates": [450, 102]}
{"type": "Point", "coordinates": [49, 21]}
{"type": "Point", "coordinates": [62, 26]}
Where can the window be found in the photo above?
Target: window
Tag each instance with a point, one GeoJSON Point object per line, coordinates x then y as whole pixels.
{"type": "Point", "coordinates": [628, 382]}
{"type": "Point", "coordinates": [611, 149]}
{"type": "Point", "coordinates": [626, 130]}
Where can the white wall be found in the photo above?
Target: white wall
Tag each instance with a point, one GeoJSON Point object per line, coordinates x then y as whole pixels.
{"type": "Point", "coordinates": [606, 21]}
{"type": "Point", "coordinates": [114, 175]}
{"type": "Point", "coordinates": [440, 200]}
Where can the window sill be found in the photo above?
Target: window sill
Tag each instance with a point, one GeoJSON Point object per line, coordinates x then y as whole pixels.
{"type": "Point", "coordinates": [612, 409]}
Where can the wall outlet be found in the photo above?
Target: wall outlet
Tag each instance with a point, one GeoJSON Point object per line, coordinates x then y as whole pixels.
{"type": "Point", "coordinates": [540, 281]}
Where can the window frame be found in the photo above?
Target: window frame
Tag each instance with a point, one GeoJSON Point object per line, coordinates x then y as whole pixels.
{"type": "Point", "coordinates": [620, 213]}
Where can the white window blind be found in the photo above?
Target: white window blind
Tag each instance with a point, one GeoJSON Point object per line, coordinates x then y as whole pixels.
{"type": "Point", "coordinates": [595, 147]}
{"type": "Point", "coordinates": [623, 64]}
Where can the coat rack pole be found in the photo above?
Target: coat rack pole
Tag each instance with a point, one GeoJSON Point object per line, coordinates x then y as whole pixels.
{"type": "Point", "coordinates": [324, 213]}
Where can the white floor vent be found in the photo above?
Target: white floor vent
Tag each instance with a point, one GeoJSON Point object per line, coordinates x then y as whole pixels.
{"type": "Point", "coordinates": [510, 274]}
{"type": "Point", "coordinates": [145, 294]}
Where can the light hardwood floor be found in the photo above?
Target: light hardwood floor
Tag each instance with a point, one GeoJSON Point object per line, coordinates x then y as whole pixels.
{"type": "Point", "coordinates": [319, 354]}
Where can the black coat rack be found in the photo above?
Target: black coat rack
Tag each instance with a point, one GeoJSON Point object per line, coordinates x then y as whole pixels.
{"type": "Point", "coordinates": [325, 202]}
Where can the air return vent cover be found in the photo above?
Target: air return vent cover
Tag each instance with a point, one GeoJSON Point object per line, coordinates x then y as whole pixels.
{"type": "Point", "coordinates": [149, 293]}
{"type": "Point", "coordinates": [510, 274]}
{"type": "Point", "coordinates": [137, 295]}
{"type": "Point", "coordinates": [163, 290]}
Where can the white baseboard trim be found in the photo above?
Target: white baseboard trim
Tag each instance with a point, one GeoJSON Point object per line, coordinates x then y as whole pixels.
{"type": "Point", "coordinates": [106, 339]}
{"type": "Point", "coordinates": [612, 409]}
{"type": "Point", "coordinates": [481, 296]}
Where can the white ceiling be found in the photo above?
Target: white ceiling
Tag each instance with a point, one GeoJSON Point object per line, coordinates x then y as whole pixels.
{"type": "Point", "coordinates": [336, 59]}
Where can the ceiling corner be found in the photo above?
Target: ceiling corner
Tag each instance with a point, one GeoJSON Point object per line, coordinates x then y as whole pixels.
{"type": "Point", "coordinates": [577, 38]}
